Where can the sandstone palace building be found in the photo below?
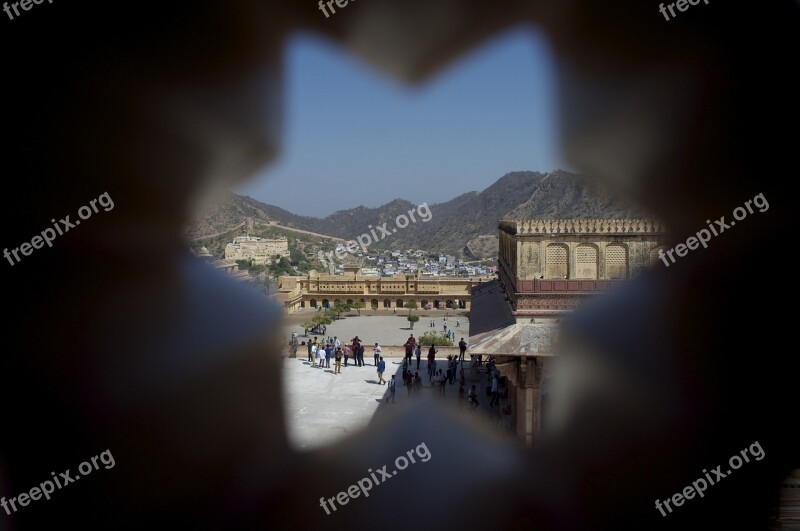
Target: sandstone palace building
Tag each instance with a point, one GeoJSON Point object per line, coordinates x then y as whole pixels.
{"type": "Point", "coordinates": [261, 251]}
{"type": "Point", "coordinates": [318, 290]}
{"type": "Point", "coordinates": [547, 268]}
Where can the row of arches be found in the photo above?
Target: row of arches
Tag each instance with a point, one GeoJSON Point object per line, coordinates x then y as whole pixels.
{"type": "Point", "coordinates": [586, 261]}
{"type": "Point", "coordinates": [388, 303]}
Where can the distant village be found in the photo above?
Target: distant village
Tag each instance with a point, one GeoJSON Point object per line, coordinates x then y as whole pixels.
{"type": "Point", "coordinates": [407, 262]}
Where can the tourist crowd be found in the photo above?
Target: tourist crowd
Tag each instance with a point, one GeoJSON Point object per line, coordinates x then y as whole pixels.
{"type": "Point", "coordinates": [321, 352]}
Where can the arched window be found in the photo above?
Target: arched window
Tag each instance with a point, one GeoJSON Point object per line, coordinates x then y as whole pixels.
{"type": "Point", "coordinates": [556, 261]}
{"type": "Point", "coordinates": [616, 261]}
{"type": "Point", "coordinates": [586, 261]}
{"type": "Point", "coordinates": [654, 257]}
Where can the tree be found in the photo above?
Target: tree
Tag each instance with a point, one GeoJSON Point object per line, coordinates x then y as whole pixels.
{"type": "Point", "coordinates": [340, 308]}
{"type": "Point", "coordinates": [412, 319]}
{"type": "Point", "coordinates": [358, 305]}
{"type": "Point", "coordinates": [296, 257]}
{"type": "Point", "coordinates": [432, 338]}
{"type": "Point", "coordinates": [321, 319]}
{"type": "Point", "coordinates": [411, 305]}
{"type": "Point", "coordinates": [308, 325]}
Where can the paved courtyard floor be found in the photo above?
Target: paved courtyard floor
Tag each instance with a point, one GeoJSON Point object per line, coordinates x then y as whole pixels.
{"type": "Point", "coordinates": [385, 329]}
{"type": "Point", "coordinates": [322, 407]}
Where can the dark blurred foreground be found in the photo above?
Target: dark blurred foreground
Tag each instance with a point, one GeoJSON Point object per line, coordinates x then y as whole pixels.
{"type": "Point", "coordinates": [120, 340]}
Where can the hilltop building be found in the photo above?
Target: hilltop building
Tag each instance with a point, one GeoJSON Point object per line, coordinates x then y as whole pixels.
{"type": "Point", "coordinates": [260, 251]}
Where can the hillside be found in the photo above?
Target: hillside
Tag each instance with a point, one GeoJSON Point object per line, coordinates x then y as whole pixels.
{"type": "Point", "coordinates": [469, 219]}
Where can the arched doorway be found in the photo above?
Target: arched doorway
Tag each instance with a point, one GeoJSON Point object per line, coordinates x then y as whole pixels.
{"type": "Point", "coordinates": [399, 303]}
{"type": "Point", "coordinates": [313, 303]}
{"type": "Point", "coordinates": [326, 303]}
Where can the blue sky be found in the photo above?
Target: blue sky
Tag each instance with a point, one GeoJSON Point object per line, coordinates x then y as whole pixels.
{"type": "Point", "coordinates": [353, 136]}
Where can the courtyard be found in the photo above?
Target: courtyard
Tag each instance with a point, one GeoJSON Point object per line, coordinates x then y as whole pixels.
{"type": "Point", "coordinates": [385, 329]}
{"type": "Point", "coordinates": [323, 407]}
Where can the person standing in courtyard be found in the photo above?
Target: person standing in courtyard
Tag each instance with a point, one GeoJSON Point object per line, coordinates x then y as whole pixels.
{"type": "Point", "coordinates": [462, 349]}
{"type": "Point", "coordinates": [473, 397]}
{"type": "Point", "coordinates": [360, 355]}
{"type": "Point", "coordinates": [441, 381]}
{"type": "Point", "coordinates": [381, 368]}
{"type": "Point", "coordinates": [409, 381]}
{"type": "Point", "coordinates": [376, 353]}
{"type": "Point", "coordinates": [432, 353]}
{"type": "Point", "coordinates": [449, 368]}
{"type": "Point", "coordinates": [495, 393]}
{"type": "Point", "coordinates": [431, 361]}
{"type": "Point", "coordinates": [336, 343]}
{"type": "Point", "coordinates": [312, 350]}
{"type": "Point", "coordinates": [458, 323]}
{"type": "Point", "coordinates": [418, 353]}
{"type": "Point", "coordinates": [338, 358]}
{"type": "Point", "coordinates": [356, 343]}
{"type": "Point", "coordinates": [392, 386]}
{"type": "Point", "coordinates": [320, 356]}
{"type": "Point", "coordinates": [347, 352]}
{"type": "Point", "coordinates": [328, 352]}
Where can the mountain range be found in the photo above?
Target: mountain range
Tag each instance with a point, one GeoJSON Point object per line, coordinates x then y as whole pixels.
{"type": "Point", "coordinates": [465, 225]}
